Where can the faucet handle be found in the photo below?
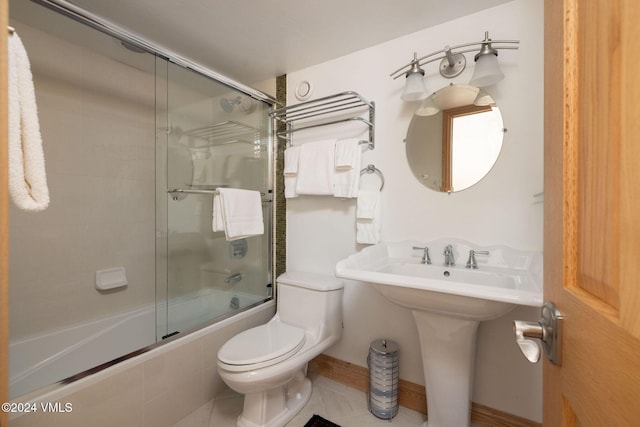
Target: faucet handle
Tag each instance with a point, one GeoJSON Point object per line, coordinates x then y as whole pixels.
{"type": "Point", "coordinates": [426, 259]}
{"type": "Point", "coordinates": [471, 262]}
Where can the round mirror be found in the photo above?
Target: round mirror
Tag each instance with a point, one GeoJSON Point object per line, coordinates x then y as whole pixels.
{"type": "Point", "coordinates": [454, 138]}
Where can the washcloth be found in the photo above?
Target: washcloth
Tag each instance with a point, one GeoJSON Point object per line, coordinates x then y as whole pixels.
{"type": "Point", "coordinates": [316, 168]}
{"type": "Point", "coordinates": [238, 213]}
{"type": "Point", "coordinates": [291, 158]}
{"type": "Point", "coordinates": [348, 155]}
{"type": "Point", "coordinates": [368, 217]}
{"type": "Point", "coordinates": [27, 175]}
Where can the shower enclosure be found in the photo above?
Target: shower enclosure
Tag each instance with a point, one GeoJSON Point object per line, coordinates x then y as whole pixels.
{"type": "Point", "coordinates": [125, 256]}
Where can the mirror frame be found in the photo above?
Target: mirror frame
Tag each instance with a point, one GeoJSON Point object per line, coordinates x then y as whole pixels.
{"type": "Point", "coordinates": [448, 116]}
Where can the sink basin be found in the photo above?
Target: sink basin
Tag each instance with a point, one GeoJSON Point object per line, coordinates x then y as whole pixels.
{"type": "Point", "coordinates": [448, 303]}
{"type": "Point", "coordinates": [504, 278]}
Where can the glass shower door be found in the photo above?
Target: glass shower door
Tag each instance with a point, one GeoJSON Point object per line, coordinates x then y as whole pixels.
{"type": "Point", "coordinates": [213, 136]}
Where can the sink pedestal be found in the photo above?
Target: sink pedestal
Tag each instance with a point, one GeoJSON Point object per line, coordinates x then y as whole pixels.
{"type": "Point", "coordinates": [448, 347]}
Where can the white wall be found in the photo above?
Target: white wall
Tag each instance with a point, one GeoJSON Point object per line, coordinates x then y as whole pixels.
{"type": "Point", "coordinates": [500, 209]}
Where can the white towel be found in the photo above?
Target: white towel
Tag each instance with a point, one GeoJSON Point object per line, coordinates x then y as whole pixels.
{"type": "Point", "coordinates": [316, 168]}
{"type": "Point", "coordinates": [291, 159]}
{"type": "Point", "coordinates": [347, 151]}
{"type": "Point", "coordinates": [347, 175]}
{"type": "Point", "coordinates": [27, 175]}
{"type": "Point", "coordinates": [367, 203]}
{"type": "Point", "coordinates": [238, 213]}
{"type": "Point", "coordinates": [368, 217]}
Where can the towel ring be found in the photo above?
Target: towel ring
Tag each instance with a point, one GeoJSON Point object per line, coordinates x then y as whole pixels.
{"type": "Point", "coordinates": [373, 169]}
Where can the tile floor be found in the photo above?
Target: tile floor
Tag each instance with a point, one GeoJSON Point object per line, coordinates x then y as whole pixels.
{"type": "Point", "coordinates": [334, 401]}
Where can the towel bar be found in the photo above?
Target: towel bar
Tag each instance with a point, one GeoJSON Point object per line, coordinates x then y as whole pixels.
{"type": "Point", "coordinates": [265, 196]}
{"type": "Point", "coordinates": [340, 102]}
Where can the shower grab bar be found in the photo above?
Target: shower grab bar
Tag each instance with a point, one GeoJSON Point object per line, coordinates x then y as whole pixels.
{"type": "Point", "coordinates": [339, 102]}
{"type": "Point", "coordinates": [265, 196]}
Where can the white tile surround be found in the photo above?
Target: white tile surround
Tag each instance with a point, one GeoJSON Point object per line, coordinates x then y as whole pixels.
{"type": "Point", "coordinates": [333, 401]}
{"type": "Point", "coordinates": [154, 389]}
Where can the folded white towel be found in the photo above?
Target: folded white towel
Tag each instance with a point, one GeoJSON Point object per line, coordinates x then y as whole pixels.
{"type": "Point", "coordinates": [290, 183]}
{"type": "Point", "coordinates": [367, 203]}
{"type": "Point", "coordinates": [291, 158]}
{"type": "Point", "coordinates": [238, 213]}
{"type": "Point", "coordinates": [368, 217]}
{"type": "Point", "coordinates": [347, 176]}
{"type": "Point", "coordinates": [27, 175]}
{"type": "Point", "coordinates": [347, 151]}
{"type": "Point", "coordinates": [316, 168]}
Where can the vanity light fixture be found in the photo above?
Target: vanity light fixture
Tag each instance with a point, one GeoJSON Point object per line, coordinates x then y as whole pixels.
{"type": "Point", "coordinates": [453, 62]}
{"type": "Point", "coordinates": [414, 89]}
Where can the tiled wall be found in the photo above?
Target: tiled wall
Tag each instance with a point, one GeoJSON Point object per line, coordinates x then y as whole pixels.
{"type": "Point", "coordinates": [99, 143]}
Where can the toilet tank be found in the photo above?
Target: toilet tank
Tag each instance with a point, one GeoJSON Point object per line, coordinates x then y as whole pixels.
{"type": "Point", "coordinates": [311, 301]}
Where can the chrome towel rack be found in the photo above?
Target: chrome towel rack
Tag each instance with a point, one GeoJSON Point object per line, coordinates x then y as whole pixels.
{"type": "Point", "coordinates": [373, 169]}
{"type": "Point", "coordinates": [324, 108]}
{"type": "Point", "coordinates": [213, 191]}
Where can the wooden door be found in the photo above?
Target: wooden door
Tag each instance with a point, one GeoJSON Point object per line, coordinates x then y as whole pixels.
{"type": "Point", "coordinates": [592, 209]}
{"type": "Point", "coordinates": [4, 220]}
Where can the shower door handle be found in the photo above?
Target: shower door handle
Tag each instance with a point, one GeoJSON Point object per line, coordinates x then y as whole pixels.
{"type": "Point", "coordinates": [548, 330]}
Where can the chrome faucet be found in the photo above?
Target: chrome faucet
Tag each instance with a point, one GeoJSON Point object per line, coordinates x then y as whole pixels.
{"type": "Point", "coordinates": [471, 262]}
{"type": "Point", "coordinates": [449, 260]}
{"type": "Point", "coordinates": [426, 259]}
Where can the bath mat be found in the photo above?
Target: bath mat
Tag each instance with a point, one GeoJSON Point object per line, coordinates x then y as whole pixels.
{"type": "Point", "coordinates": [318, 421]}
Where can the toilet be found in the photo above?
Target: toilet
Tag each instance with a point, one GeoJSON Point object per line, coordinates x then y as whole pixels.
{"type": "Point", "coordinates": [268, 363]}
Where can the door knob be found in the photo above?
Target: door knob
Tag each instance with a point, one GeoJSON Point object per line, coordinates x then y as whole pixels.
{"type": "Point", "coordinates": [548, 330]}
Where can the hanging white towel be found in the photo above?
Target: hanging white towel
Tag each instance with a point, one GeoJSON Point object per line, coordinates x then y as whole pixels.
{"type": "Point", "coordinates": [27, 175]}
{"type": "Point", "coordinates": [291, 158]}
{"type": "Point", "coordinates": [316, 168]}
{"type": "Point", "coordinates": [367, 203]}
{"type": "Point", "coordinates": [238, 213]}
{"type": "Point", "coordinates": [347, 175]}
{"type": "Point", "coordinates": [368, 217]}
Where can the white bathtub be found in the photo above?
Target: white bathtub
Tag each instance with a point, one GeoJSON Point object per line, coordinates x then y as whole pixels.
{"type": "Point", "coordinates": [39, 361]}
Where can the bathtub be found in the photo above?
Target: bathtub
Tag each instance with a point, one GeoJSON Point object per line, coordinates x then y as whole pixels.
{"type": "Point", "coordinates": [49, 358]}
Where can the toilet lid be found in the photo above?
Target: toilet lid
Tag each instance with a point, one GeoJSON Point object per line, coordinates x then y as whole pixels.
{"type": "Point", "coordinates": [263, 345]}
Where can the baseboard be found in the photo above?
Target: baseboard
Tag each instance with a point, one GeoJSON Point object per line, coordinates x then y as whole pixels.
{"type": "Point", "coordinates": [410, 395]}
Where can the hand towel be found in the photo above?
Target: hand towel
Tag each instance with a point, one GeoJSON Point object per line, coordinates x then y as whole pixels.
{"type": "Point", "coordinates": [347, 175]}
{"type": "Point", "coordinates": [316, 168]}
{"type": "Point", "coordinates": [238, 213]}
{"type": "Point", "coordinates": [27, 175]}
{"type": "Point", "coordinates": [367, 203]}
{"type": "Point", "coordinates": [347, 151]}
{"type": "Point", "coordinates": [368, 217]}
{"type": "Point", "coordinates": [291, 158]}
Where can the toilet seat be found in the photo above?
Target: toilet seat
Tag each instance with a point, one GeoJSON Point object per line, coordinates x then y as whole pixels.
{"type": "Point", "coordinates": [261, 346]}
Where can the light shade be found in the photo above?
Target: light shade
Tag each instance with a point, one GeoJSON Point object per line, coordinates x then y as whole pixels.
{"type": "Point", "coordinates": [427, 108]}
{"type": "Point", "coordinates": [414, 89]}
{"type": "Point", "coordinates": [483, 99]}
{"type": "Point", "coordinates": [487, 71]}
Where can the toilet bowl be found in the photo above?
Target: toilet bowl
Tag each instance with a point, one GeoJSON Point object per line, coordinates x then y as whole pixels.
{"type": "Point", "coordinates": [268, 363]}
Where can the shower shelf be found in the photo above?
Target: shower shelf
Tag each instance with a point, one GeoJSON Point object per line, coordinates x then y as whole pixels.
{"type": "Point", "coordinates": [228, 132]}
{"type": "Point", "coordinates": [325, 109]}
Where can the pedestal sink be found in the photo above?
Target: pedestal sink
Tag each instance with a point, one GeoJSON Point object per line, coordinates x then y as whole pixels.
{"type": "Point", "coordinates": [448, 303]}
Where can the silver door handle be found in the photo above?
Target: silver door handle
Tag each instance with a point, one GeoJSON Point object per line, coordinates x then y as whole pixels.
{"type": "Point", "coordinates": [548, 330]}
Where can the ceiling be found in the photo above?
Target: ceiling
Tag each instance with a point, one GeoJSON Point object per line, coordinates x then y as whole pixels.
{"type": "Point", "coordinates": [254, 40]}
